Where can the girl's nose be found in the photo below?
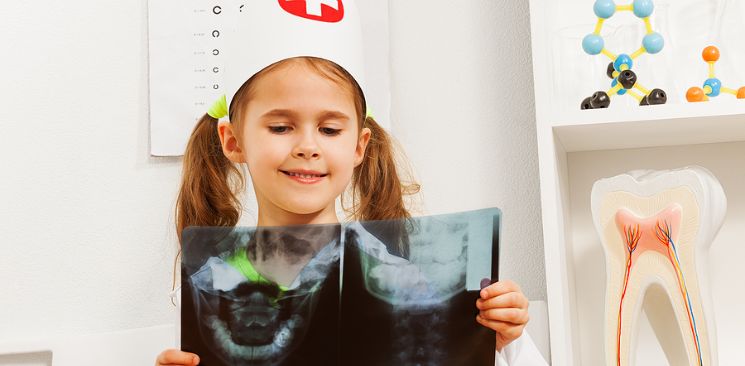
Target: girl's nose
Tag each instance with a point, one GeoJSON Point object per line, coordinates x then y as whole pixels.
{"type": "Point", "coordinates": [307, 147]}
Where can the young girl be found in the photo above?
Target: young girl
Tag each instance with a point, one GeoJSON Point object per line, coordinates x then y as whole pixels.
{"type": "Point", "coordinates": [300, 127]}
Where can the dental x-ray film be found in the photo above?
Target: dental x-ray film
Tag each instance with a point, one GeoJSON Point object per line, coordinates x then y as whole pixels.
{"type": "Point", "coordinates": [393, 292]}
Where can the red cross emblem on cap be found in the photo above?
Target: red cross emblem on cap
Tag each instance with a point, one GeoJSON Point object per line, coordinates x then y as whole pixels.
{"type": "Point", "coordinates": [330, 11]}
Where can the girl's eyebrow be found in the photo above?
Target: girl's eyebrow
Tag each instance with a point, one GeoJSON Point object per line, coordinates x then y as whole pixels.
{"type": "Point", "coordinates": [279, 113]}
{"type": "Point", "coordinates": [336, 115]}
{"type": "Point", "coordinates": [322, 116]}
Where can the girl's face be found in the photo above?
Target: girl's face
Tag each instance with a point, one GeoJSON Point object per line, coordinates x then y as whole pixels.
{"type": "Point", "coordinates": [301, 141]}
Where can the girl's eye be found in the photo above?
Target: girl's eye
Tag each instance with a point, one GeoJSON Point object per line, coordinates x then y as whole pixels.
{"type": "Point", "coordinates": [279, 129]}
{"type": "Point", "coordinates": [330, 131]}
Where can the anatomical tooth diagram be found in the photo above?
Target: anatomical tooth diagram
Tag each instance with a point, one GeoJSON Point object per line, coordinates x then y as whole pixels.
{"type": "Point", "coordinates": [656, 228]}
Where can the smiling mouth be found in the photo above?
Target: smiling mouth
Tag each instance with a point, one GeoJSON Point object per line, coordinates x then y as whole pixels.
{"type": "Point", "coordinates": [304, 176]}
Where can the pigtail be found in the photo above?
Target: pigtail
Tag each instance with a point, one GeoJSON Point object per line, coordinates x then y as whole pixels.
{"type": "Point", "coordinates": [378, 190]}
{"type": "Point", "coordinates": [209, 182]}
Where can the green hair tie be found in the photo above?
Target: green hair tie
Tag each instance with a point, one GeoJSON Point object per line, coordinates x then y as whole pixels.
{"type": "Point", "coordinates": [219, 109]}
{"type": "Point", "coordinates": [369, 114]}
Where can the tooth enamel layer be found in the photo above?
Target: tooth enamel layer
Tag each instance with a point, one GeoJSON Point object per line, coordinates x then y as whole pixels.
{"type": "Point", "coordinates": [656, 229]}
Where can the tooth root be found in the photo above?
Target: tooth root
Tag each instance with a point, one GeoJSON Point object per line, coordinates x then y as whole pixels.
{"type": "Point", "coordinates": [656, 229]}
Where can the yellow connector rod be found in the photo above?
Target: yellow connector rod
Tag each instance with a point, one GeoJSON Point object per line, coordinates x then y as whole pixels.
{"type": "Point", "coordinates": [599, 26]}
{"type": "Point", "coordinates": [638, 53]}
{"type": "Point", "coordinates": [728, 91]}
{"type": "Point", "coordinates": [609, 54]}
{"type": "Point", "coordinates": [642, 89]}
{"type": "Point", "coordinates": [615, 90]}
{"type": "Point", "coordinates": [636, 96]}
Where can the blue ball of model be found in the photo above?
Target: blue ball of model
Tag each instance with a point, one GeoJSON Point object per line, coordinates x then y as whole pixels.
{"type": "Point", "coordinates": [653, 42]}
{"type": "Point", "coordinates": [604, 8]}
{"type": "Point", "coordinates": [593, 44]}
{"type": "Point", "coordinates": [643, 8]}
{"type": "Point", "coordinates": [715, 85]}
{"type": "Point", "coordinates": [623, 59]}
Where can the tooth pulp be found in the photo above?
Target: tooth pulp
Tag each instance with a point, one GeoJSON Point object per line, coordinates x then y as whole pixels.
{"type": "Point", "coordinates": [656, 229]}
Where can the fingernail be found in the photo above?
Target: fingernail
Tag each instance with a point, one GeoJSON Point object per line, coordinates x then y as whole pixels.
{"type": "Point", "coordinates": [195, 360]}
{"type": "Point", "coordinates": [485, 282]}
{"type": "Point", "coordinates": [488, 281]}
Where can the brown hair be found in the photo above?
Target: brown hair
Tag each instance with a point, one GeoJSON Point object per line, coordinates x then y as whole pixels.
{"type": "Point", "coordinates": [210, 182]}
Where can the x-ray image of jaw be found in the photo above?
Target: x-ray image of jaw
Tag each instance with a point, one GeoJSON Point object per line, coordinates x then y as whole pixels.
{"type": "Point", "coordinates": [434, 272]}
{"type": "Point", "coordinates": [419, 310]}
{"type": "Point", "coordinates": [254, 296]}
{"type": "Point", "coordinates": [421, 286]}
{"type": "Point", "coordinates": [396, 292]}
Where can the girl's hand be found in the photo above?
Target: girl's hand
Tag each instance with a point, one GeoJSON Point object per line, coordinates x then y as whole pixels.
{"type": "Point", "coordinates": [174, 357]}
{"type": "Point", "coordinates": [503, 308]}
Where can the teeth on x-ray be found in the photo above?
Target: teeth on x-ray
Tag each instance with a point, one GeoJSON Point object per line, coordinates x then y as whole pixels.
{"type": "Point", "coordinates": [656, 229]}
{"type": "Point", "coordinates": [255, 353]}
{"type": "Point", "coordinates": [440, 250]}
{"type": "Point", "coordinates": [435, 272]}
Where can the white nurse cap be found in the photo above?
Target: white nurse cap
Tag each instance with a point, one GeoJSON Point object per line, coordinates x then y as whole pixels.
{"type": "Point", "coordinates": [262, 32]}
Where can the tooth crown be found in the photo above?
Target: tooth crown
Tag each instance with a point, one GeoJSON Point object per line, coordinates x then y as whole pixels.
{"type": "Point", "coordinates": [304, 175]}
{"type": "Point", "coordinates": [656, 228]}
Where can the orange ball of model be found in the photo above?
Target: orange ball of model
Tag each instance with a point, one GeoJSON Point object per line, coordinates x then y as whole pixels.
{"type": "Point", "coordinates": [710, 54]}
{"type": "Point", "coordinates": [695, 94]}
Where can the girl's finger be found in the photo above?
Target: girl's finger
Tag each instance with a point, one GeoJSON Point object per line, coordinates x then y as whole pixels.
{"type": "Point", "coordinates": [177, 357]}
{"type": "Point", "coordinates": [499, 288]}
{"type": "Point", "coordinates": [505, 329]}
{"type": "Point", "coordinates": [509, 315]}
{"type": "Point", "coordinates": [508, 300]}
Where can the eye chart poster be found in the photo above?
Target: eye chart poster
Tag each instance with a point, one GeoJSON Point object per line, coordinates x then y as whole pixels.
{"type": "Point", "coordinates": [187, 51]}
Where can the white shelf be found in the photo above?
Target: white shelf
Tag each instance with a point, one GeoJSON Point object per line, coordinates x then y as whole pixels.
{"type": "Point", "coordinates": [576, 148]}
{"type": "Point", "coordinates": [585, 261]}
{"type": "Point", "coordinates": [662, 125]}
{"type": "Point", "coordinates": [722, 106]}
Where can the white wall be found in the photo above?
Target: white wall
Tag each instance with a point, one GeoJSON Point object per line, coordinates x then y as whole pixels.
{"type": "Point", "coordinates": [86, 223]}
{"type": "Point", "coordinates": [463, 108]}
{"type": "Point", "coordinates": [85, 214]}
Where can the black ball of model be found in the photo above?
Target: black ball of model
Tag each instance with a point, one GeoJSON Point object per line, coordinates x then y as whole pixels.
{"type": "Point", "coordinates": [599, 99]}
{"type": "Point", "coordinates": [656, 96]}
{"type": "Point", "coordinates": [627, 78]}
{"type": "Point", "coordinates": [610, 70]}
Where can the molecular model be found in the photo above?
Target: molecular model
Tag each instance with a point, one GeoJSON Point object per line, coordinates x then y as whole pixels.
{"type": "Point", "coordinates": [619, 69]}
{"type": "Point", "coordinates": [712, 85]}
